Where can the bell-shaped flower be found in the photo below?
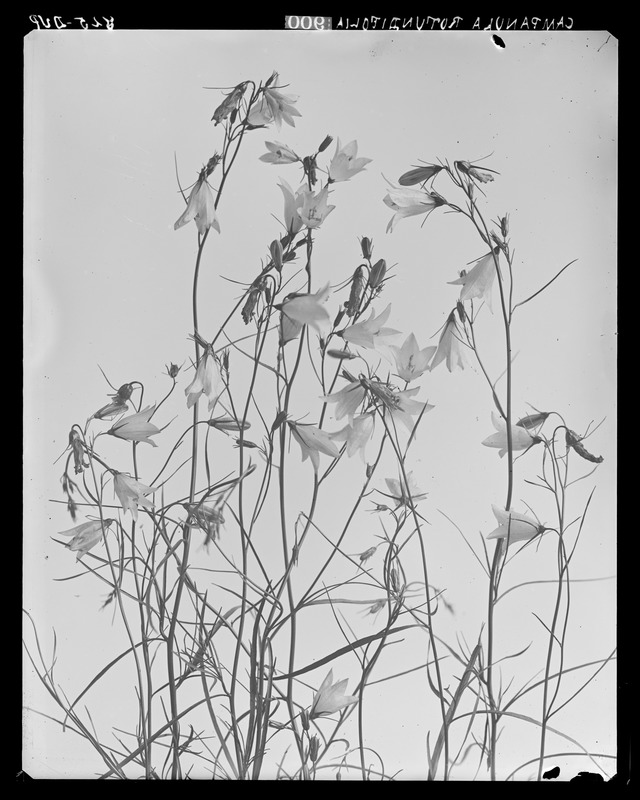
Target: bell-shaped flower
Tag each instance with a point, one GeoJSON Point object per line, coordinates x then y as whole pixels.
{"type": "Point", "coordinates": [314, 209]}
{"type": "Point", "coordinates": [200, 207]}
{"type": "Point", "coordinates": [450, 345]}
{"type": "Point", "coordinates": [514, 527]}
{"type": "Point", "coordinates": [274, 107]}
{"type": "Point", "coordinates": [521, 439]}
{"type": "Point", "coordinates": [292, 204]}
{"type": "Point", "coordinates": [136, 427]}
{"type": "Point", "coordinates": [298, 310]}
{"type": "Point", "coordinates": [478, 282]}
{"type": "Point", "coordinates": [86, 536]}
{"type": "Point", "coordinates": [474, 172]}
{"type": "Point", "coordinates": [279, 154]}
{"type": "Point", "coordinates": [131, 493]}
{"type": "Point", "coordinates": [345, 164]}
{"type": "Point", "coordinates": [403, 497]}
{"type": "Point", "coordinates": [208, 381]}
{"type": "Point", "coordinates": [411, 361]}
{"type": "Point", "coordinates": [357, 434]}
{"type": "Point", "coordinates": [349, 399]}
{"type": "Point", "coordinates": [398, 404]}
{"type": "Point", "coordinates": [331, 697]}
{"type": "Point", "coordinates": [408, 202]}
{"type": "Point", "coordinates": [313, 441]}
{"type": "Point", "coordinates": [370, 332]}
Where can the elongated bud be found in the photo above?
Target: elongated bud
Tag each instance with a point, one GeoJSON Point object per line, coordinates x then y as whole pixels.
{"type": "Point", "coordinates": [461, 311]}
{"type": "Point", "coordinates": [358, 285]}
{"type": "Point", "coordinates": [348, 376]}
{"type": "Point", "coordinates": [123, 393]}
{"type": "Point", "coordinates": [504, 226]}
{"type": "Point", "coordinates": [325, 143]}
{"type": "Point", "coordinates": [250, 304]}
{"type": "Point", "coordinates": [370, 468]}
{"type": "Point", "coordinates": [341, 354]}
{"type": "Point", "coordinates": [269, 81]}
{"type": "Point", "coordinates": [314, 747]}
{"type": "Point", "coordinates": [280, 418]}
{"type": "Point", "coordinates": [338, 318]}
{"type": "Point", "coordinates": [309, 164]}
{"type": "Point", "coordinates": [212, 163]}
{"type": "Point", "coordinates": [246, 443]}
{"type": "Point", "coordinates": [533, 420]}
{"type": "Point", "coordinates": [304, 719]}
{"type": "Point", "coordinates": [419, 175]}
{"type": "Point", "coordinates": [228, 424]}
{"type": "Point", "coordinates": [173, 370]}
{"type": "Point", "coordinates": [275, 249]}
{"type": "Point", "coordinates": [378, 271]}
{"type": "Point", "coordinates": [367, 247]}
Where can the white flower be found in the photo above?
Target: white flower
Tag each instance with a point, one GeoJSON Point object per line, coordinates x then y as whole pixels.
{"type": "Point", "coordinates": [313, 441]}
{"type": "Point", "coordinates": [131, 493]}
{"type": "Point", "coordinates": [279, 154]}
{"type": "Point", "coordinates": [514, 527]}
{"type": "Point", "coordinates": [370, 332]}
{"type": "Point", "coordinates": [344, 164]}
{"type": "Point", "coordinates": [450, 345]}
{"type": "Point", "coordinates": [331, 697]}
{"type": "Point", "coordinates": [478, 282]}
{"type": "Point", "coordinates": [398, 404]}
{"type": "Point", "coordinates": [411, 362]}
{"type": "Point", "coordinates": [521, 439]}
{"type": "Point", "coordinates": [303, 309]}
{"type": "Point", "coordinates": [292, 204]}
{"type": "Point", "coordinates": [398, 493]}
{"type": "Point", "coordinates": [86, 536]}
{"type": "Point", "coordinates": [274, 107]}
{"type": "Point", "coordinates": [136, 427]}
{"type": "Point", "coordinates": [208, 381]}
{"type": "Point", "coordinates": [314, 209]}
{"type": "Point", "coordinates": [357, 434]}
{"type": "Point", "coordinates": [349, 399]}
{"type": "Point", "coordinates": [200, 207]}
{"type": "Point", "coordinates": [407, 202]}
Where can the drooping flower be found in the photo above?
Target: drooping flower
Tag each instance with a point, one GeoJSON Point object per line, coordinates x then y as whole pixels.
{"type": "Point", "coordinates": [450, 345]}
{"type": "Point", "coordinates": [514, 527]}
{"type": "Point", "coordinates": [398, 404]}
{"type": "Point", "coordinates": [348, 399]}
{"type": "Point", "coordinates": [371, 331]}
{"type": "Point", "coordinates": [357, 434]}
{"type": "Point", "coordinates": [298, 310]}
{"type": "Point", "coordinates": [314, 209]}
{"type": "Point", "coordinates": [208, 381]}
{"type": "Point", "coordinates": [200, 207]}
{"type": "Point", "coordinates": [331, 697]}
{"type": "Point", "coordinates": [292, 204]}
{"type": "Point", "coordinates": [344, 164]}
{"type": "Point", "coordinates": [136, 427]}
{"type": "Point", "coordinates": [313, 441]}
{"type": "Point", "coordinates": [419, 175]}
{"type": "Point", "coordinates": [131, 493]}
{"type": "Point", "coordinates": [411, 361]}
{"type": "Point", "coordinates": [86, 535]}
{"type": "Point", "coordinates": [407, 202]}
{"type": "Point", "coordinates": [78, 449]}
{"type": "Point", "coordinates": [279, 154]}
{"type": "Point", "coordinates": [521, 439]}
{"type": "Point", "coordinates": [575, 442]}
{"type": "Point", "coordinates": [478, 282]}
{"type": "Point", "coordinates": [400, 495]}
{"type": "Point", "coordinates": [274, 107]}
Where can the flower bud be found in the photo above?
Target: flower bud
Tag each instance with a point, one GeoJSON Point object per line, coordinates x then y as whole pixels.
{"type": "Point", "coordinates": [123, 393]}
{"type": "Point", "coordinates": [275, 249]}
{"type": "Point", "coordinates": [314, 747]}
{"type": "Point", "coordinates": [325, 143]}
{"type": "Point", "coordinates": [228, 424]}
{"type": "Point", "coordinates": [419, 175]}
{"type": "Point", "coordinates": [309, 164]}
{"type": "Point", "coordinates": [378, 271]}
{"type": "Point", "coordinates": [212, 163]}
{"type": "Point", "coordinates": [358, 285]}
{"type": "Point", "coordinates": [504, 226]}
{"type": "Point", "coordinates": [341, 354]}
{"type": "Point", "coordinates": [250, 304]}
{"type": "Point", "coordinates": [271, 79]}
{"type": "Point", "coordinates": [533, 420]}
{"type": "Point", "coordinates": [367, 247]}
{"type": "Point", "coordinates": [173, 370]}
{"type": "Point", "coordinates": [338, 318]}
{"type": "Point", "coordinates": [304, 719]}
{"type": "Point", "coordinates": [461, 311]}
{"type": "Point", "coordinates": [246, 443]}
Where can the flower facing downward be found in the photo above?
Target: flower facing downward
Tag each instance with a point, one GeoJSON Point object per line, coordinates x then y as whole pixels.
{"type": "Point", "coordinates": [521, 439]}
{"type": "Point", "coordinates": [131, 493]}
{"type": "Point", "coordinates": [357, 434]}
{"type": "Point", "coordinates": [398, 404]}
{"type": "Point", "coordinates": [86, 536]}
{"type": "Point", "coordinates": [298, 310]}
{"type": "Point", "coordinates": [408, 202]}
{"type": "Point", "coordinates": [200, 207]}
{"type": "Point", "coordinates": [344, 164]}
{"type": "Point", "coordinates": [331, 697]}
{"type": "Point", "coordinates": [450, 345]}
{"type": "Point", "coordinates": [292, 204]}
{"type": "Point", "coordinates": [136, 427]}
{"type": "Point", "coordinates": [279, 154]}
{"type": "Point", "coordinates": [411, 362]}
{"type": "Point", "coordinates": [514, 527]}
{"type": "Point", "coordinates": [398, 493]}
{"type": "Point", "coordinates": [274, 107]}
{"type": "Point", "coordinates": [208, 381]}
{"type": "Point", "coordinates": [478, 282]}
{"type": "Point", "coordinates": [313, 441]}
{"type": "Point", "coordinates": [371, 331]}
{"type": "Point", "coordinates": [473, 172]}
{"type": "Point", "coordinates": [348, 399]}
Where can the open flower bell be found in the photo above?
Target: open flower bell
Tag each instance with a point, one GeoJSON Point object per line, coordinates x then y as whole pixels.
{"type": "Point", "coordinates": [514, 527]}
{"type": "Point", "coordinates": [451, 347]}
{"type": "Point", "coordinates": [86, 535]}
{"type": "Point", "coordinates": [313, 441]}
{"type": "Point", "coordinates": [200, 207]}
{"type": "Point", "coordinates": [345, 164]}
{"type": "Point", "coordinates": [408, 202]}
{"type": "Point", "coordinates": [478, 282]}
{"type": "Point", "coordinates": [136, 427]}
{"type": "Point", "coordinates": [411, 361]}
{"type": "Point", "coordinates": [131, 493]}
{"type": "Point", "coordinates": [208, 381]}
{"type": "Point", "coordinates": [331, 697]}
{"type": "Point", "coordinates": [521, 439]}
